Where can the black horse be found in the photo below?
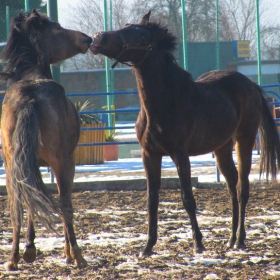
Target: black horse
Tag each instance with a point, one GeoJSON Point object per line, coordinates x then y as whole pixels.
{"type": "Point", "coordinates": [182, 118]}
{"type": "Point", "coordinates": [40, 127]}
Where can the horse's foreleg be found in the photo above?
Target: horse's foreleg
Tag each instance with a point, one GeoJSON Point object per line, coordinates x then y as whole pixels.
{"type": "Point", "coordinates": [227, 167]}
{"type": "Point", "coordinates": [182, 163]}
{"type": "Point", "coordinates": [29, 254]}
{"type": "Point", "coordinates": [64, 178]}
{"type": "Point", "coordinates": [69, 258]}
{"type": "Point", "coordinates": [152, 165]}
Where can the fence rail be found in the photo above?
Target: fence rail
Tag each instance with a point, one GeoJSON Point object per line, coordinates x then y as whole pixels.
{"type": "Point", "coordinates": [103, 111]}
{"type": "Point", "coordinates": [116, 111]}
{"type": "Point", "coordinates": [265, 87]}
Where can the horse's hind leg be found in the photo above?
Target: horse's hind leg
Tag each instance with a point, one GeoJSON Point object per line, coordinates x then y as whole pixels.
{"type": "Point", "coordinates": [15, 208]}
{"type": "Point", "coordinates": [71, 249]}
{"type": "Point", "coordinates": [12, 264]}
{"type": "Point", "coordinates": [182, 162]}
{"type": "Point", "coordinates": [29, 254]}
{"type": "Point", "coordinates": [244, 155]}
{"type": "Point", "coordinates": [64, 174]}
{"type": "Point", "coordinates": [226, 166]}
{"type": "Point", "coordinates": [152, 165]}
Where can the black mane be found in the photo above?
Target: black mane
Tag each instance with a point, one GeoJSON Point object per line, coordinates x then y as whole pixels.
{"type": "Point", "coordinates": [25, 47]}
{"type": "Point", "coordinates": [165, 40]}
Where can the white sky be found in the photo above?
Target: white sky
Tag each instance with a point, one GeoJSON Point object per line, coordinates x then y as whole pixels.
{"type": "Point", "coordinates": [273, 7]}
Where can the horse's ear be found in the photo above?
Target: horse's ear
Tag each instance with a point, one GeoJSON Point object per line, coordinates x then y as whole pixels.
{"type": "Point", "coordinates": [20, 16]}
{"type": "Point", "coordinates": [34, 11]}
{"type": "Point", "coordinates": [145, 18]}
{"type": "Point", "coordinates": [34, 18]}
{"type": "Point", "coordinates": [17, 26]}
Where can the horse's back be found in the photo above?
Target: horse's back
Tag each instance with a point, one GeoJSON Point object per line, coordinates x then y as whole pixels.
{"type": "Point", "coordinates": [220, 75]}
{"type": "Point", "coordinates": [231, 104]}
{"type": "Point", "coordinates": [215, 108]}
{"type": "Point", "coordinates": [57, 117]}
{"type": "Point", "coordinates": [244, 94]}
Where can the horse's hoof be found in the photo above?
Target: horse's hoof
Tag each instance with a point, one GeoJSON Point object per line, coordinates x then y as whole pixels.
{"type": "Point", "coordinates": [229, 246]}
{"type": "Point", "coordinates": [199, 250]}
{"type": "Point", "coordinates": [230, 243]}
{"type": "Point", "coordinates": [240, 246]}
{"type": "Point", "coordinates": [81, 263]}
{"type": "Point", "coordinates": [146, 253]}
{"type": "Point", "coordinates": [29, 254]}
{"type": "Point", "coordinates": [10, 266]}
{"type": "Point", "coordinates": [69, 260]}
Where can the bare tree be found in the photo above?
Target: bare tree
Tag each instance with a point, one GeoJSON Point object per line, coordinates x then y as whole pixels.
{"type": "Point", "coordinates": [237, 19]}
{"type": "Point", "coordinates": [270, 43]}
{"type": "Point", "coordinates": [237, 22]}
{"type": "Point", "coordinates": [270, 26]}
{"type": "Point", "coordinates": [86, 16]}
{"type": "Point", "coordinates": [200, 15]}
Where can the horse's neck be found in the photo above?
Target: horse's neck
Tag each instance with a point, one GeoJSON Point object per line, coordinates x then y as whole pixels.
{"type": "Point", "coordinates": [30, 65]}
{"type": "Point", "coordinates": [151, 83]}
{"type": "Point", "coordinates": [149, 78]}
{"type": "Point", "coordinates": [33, 73]}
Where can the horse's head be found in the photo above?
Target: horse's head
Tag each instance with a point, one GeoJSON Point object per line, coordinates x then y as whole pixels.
{"type": "Point", "coordinates": [48, 37]}
{"type": "Point", "coordinates": [61, 43]}
{"type": "Point", "coordinates": [133, 42]}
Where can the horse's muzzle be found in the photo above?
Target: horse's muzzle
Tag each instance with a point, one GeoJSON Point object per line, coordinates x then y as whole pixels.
{"type": "Point", "coordinates": [99, 39]}
{"type": "Point", "coordinates": [87, 40]}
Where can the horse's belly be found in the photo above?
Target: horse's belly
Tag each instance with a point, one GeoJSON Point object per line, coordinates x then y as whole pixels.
{"type": "Point", "coordinates": [197, 140]}
{"type": "Point", "coordinates": [209, 143]}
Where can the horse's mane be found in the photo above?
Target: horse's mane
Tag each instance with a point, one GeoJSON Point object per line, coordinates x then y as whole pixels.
{"type": "Point", "coordinates": [165, 40]}
{"type": "Point", "coordinates": [24, 47]}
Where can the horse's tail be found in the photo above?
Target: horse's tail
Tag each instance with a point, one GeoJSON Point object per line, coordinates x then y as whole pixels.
{"type": "Point", "coordinates": [26, 186]}
{"type": "Point", "coordinates": [269, 143]}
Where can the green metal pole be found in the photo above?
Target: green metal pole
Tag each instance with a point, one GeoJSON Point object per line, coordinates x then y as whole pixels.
{"type": "Point", "coordinates": [26, 5]}
{"type": "Point", "coordinates": [53, 14]}
{"type": "Point", "coordinates": [258, 43]}
{"type": "Point", "coordinates": [7, 20]}
{"type": "Point", "coordinates": [218, 65]}
{"type": "Point", "coordinates": [107, 69]}
{"type": "Point", "coordinates": [111, 15]}
{"type": "Point", "coordinates": [112, 73]}
{"type": "Point", "coordinates": [184, 35]}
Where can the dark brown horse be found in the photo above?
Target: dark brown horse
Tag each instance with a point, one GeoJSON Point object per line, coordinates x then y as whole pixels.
{"type": "Point", "coordinates": [40, 127]}
{"type": "Point", "coordinates": [182, 118]}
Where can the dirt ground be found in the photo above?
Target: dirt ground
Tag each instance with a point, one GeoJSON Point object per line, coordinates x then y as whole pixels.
{"type": "Point", "coordinates": [111, 230]}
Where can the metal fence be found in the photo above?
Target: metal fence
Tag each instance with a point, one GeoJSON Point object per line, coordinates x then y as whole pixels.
{"type": "Point", "coordinates": [271, 90]}
{"type": "Point", "coordinates": [106, 111]}
{"type": "Point", "coordinates": [271, 93]}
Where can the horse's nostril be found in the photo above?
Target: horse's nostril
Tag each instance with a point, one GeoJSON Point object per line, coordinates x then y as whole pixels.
{"type": "Point", "coordinates": [95, 35]}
